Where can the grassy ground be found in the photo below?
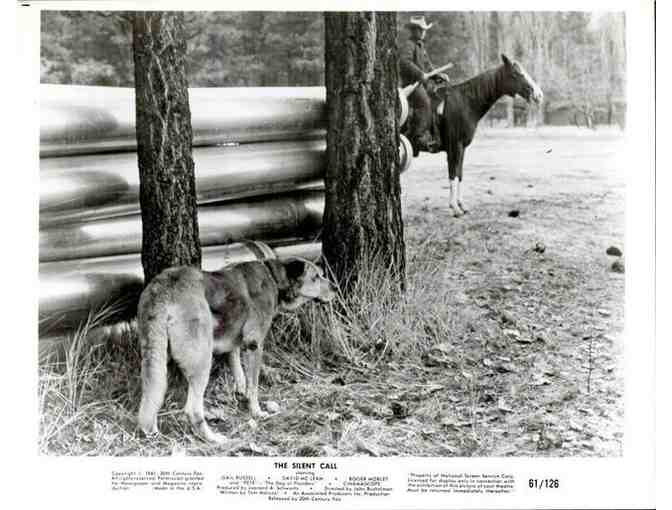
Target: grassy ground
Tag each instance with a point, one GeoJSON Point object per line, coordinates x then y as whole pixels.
{"type": "Point", "coordinates": [508, 341]}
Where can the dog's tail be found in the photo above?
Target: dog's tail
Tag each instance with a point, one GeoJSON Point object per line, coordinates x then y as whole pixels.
{"type": "Point", "coordinates": [153, 336]}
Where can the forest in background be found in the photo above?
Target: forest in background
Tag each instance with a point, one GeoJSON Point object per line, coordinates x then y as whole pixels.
{"type": "Point", "coordinates": [578, 58]}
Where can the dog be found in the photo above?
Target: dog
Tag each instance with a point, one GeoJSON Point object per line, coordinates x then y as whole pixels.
{"type": "Point", "coordinates": [189, 315]}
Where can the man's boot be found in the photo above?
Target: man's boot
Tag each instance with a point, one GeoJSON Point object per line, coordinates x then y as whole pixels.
{"type": "Point", "coordinates": [427, 143]}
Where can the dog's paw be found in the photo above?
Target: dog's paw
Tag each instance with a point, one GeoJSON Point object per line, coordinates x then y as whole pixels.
{"type": "Point", "coordinates": [150, 435]}
{"type": "Point", "coordinates": [219, 438]}
{"type": "Point", "coordinates": [216, 438]}
{"type": "Point", "coordinates": [149, 431]}
{"type": "Point", "coordinates": [211, 436]}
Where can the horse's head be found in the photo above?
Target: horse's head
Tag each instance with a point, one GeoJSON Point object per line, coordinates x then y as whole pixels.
{"type": "Point", "coordinates": [517, 81]}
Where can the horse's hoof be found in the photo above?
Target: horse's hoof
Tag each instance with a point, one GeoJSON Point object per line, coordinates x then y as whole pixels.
{"type": "Point", "coordinates": [457, 212]}
{"type": "Point", "coordinates": [464, 209]}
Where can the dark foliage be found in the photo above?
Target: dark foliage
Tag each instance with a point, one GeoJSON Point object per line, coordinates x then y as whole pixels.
{"type": "Point", "coordinates": [578, 58]}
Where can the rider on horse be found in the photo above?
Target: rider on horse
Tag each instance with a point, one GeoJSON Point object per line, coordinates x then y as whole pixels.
{"type": "Point", "coordinates": [414, 65]}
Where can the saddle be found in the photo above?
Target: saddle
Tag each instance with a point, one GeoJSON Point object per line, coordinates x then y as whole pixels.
{"type": "Point", "coordinates": [434, 87]}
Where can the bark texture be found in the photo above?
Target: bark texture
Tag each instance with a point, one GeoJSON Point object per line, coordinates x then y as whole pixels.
{"type": "Point", "coordinates": [163, 129]}
{"type": "Point", "coordinates": [362, 219]}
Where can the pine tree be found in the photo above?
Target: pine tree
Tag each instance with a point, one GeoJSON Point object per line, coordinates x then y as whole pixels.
{"type": "Point", "coordinates": [163, 127]}
{"type": "Point", "coordinates": [362, 219]}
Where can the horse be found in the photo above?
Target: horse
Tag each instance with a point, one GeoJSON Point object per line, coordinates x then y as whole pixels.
{"type": "Point", "coordinates": [462, 105]}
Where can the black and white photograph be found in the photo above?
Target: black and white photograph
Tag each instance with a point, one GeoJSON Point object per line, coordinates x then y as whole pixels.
{"type": "Point", "coordinates": [384, 234]}
{"type": "Point", "coordinates": [307, 234]}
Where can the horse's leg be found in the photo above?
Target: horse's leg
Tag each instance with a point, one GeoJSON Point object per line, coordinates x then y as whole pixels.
{"type": "Point", "coordinates": [460, 198]}
{"type": "Point", "coordinates": [454, 156]}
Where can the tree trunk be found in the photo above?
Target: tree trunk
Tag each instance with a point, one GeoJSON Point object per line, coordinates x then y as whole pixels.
{"type": "Point", "coordinates": [163, 129]}
{"type": "Point", "coordinates": [510, 118]}
{"type": "Point", "coordinates": [539, 73]}
{"type": "Point", "coordinates": [362, 219]}
{"type": "Point", "coordinates": [494, 49]}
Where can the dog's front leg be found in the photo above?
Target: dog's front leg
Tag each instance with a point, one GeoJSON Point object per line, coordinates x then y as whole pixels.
{"type": "Point", "coordinates": [254, 359]}
{"type": "Point", "coordinates": [239, 386]}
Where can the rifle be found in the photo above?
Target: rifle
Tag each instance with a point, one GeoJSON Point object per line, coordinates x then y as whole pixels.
{"type": "Point", "coordinates": [408, 89]}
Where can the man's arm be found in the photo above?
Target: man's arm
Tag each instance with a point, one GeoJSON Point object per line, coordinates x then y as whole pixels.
{"type": "Point", "coordinates": [427, 61]}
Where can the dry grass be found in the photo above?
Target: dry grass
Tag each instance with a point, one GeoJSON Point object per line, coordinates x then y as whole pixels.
{"type": "Point", "coordinates": [89, 397]}
{"type": "Point", "coordinates": [420, 375]}
{"type": "Point", "coordinates": [489, 351]}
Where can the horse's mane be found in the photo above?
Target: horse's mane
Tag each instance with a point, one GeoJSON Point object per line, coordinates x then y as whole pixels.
{"type": "Point", "coordinates": [485, 84]}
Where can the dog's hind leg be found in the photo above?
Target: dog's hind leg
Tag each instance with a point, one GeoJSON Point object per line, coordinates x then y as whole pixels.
{"type": "Point", "coordinates": [194, 407]}
{"type": "Point", "coordinates": [191, 347]}
{"type": "Point", "coordinates": [154, 372]}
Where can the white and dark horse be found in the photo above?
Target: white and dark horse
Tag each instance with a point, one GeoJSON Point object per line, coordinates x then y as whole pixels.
{"type": "Point", "coordinates": [464, 104]}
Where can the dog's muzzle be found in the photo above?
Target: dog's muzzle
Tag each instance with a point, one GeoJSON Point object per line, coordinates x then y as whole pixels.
{"type": "Point", "coordinates": [329, 295]}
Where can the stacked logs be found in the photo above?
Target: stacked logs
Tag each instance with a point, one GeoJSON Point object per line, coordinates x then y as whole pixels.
{"type": "Point", "coordinates": [259, 156]}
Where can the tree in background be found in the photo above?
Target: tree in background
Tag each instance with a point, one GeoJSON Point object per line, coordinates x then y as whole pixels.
{"type": "Point", "coordinates": [500, 44]}
{"type": "Point", "coordinates": [362, 217]}
{"type": "Point", "coordinates": [580, 54]}
{"type": "Point", "coordinates": [535, 31]}
{"type": "Point", "coordinates": [478, 24]}
{"type": "Point", "coordinates": [163, 126]}
{"type": "Point", "coordinates": [613, 58]}
{"type": "Point", "coordinates": [255, 48]}
{"type": "Point", "coordinates": [295, 41]}
{"type": "Point", "coordinates": [578, 58]}
{"type": "Point", "coordinates": [86, 47]}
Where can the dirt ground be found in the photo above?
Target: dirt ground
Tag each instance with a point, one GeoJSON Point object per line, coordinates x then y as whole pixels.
{"type": "Point", "coordinates": [553, 320]}
{"type": "Point", "coordinates": [523, 357]}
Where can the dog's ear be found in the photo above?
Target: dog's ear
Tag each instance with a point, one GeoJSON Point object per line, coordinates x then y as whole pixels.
{"type": "Point", "coordinates": [278, 273]}
{"type": "Point", "coordinates": [295, 268]}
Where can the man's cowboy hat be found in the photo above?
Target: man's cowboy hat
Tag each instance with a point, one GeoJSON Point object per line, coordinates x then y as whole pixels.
{"type": "Point", "coordinates": [419, 22]}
